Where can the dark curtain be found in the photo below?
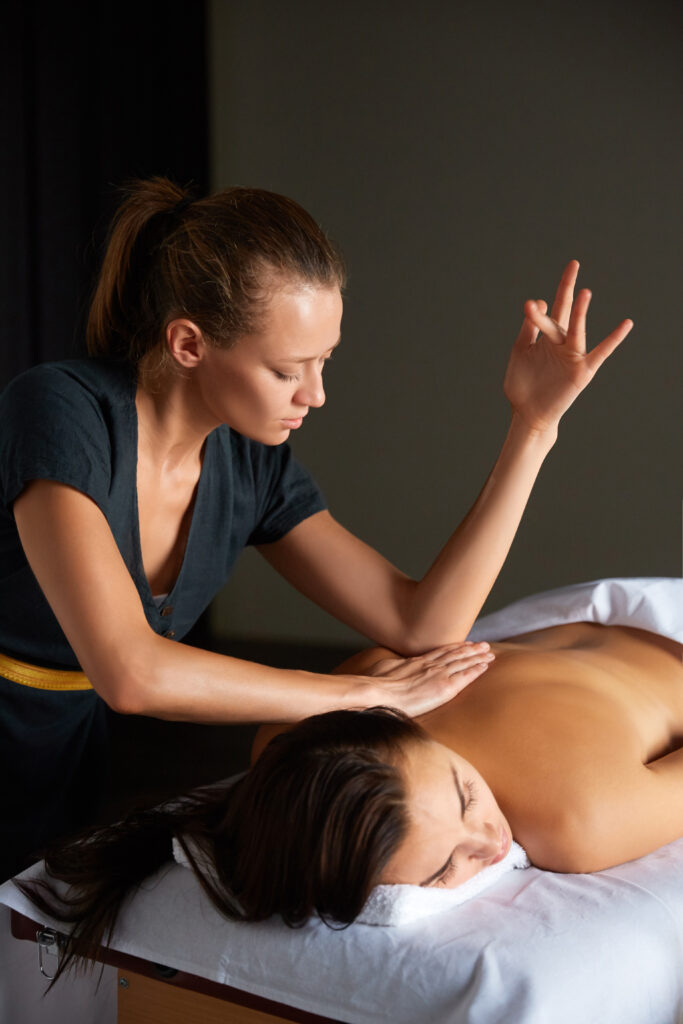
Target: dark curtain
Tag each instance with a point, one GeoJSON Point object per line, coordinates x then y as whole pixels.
{"type": "Point", "coordinates": [93, 93]}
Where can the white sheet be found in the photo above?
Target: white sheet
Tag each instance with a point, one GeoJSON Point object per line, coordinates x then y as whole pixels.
{"type": "Point", "coordinates": [536, 948]}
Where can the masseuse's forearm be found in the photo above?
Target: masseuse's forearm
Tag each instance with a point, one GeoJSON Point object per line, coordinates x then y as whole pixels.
{"type": "Point", "coordinates": [170, 680]}
{"type": "Point", "coordinates": [445, 603]}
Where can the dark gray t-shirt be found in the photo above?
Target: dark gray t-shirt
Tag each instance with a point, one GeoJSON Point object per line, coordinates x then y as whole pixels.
{"type": "Point", "coordinates": [76, 422]}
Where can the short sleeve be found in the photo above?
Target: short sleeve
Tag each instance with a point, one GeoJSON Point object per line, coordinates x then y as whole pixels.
{"type": "Point", "coordinates": [286, 493]}
{"type": "Point", "coordinates": [52, 428]}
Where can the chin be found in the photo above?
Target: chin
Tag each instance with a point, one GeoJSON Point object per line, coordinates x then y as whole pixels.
{"type": "Point", "coordinates": [272, 437]}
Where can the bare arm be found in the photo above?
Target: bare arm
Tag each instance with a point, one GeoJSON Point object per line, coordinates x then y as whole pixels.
{"type": "Point", "coordinates": [355, 584]}
{"type": "Point", "coordinates": [74, 557]}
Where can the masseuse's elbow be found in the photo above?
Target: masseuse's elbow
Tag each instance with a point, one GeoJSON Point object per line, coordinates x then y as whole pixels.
{"type": "Point", "coordinates": [421, 627]}
{"type": "Point", "coordinates": [416, 639]}
{"type": "Point", "coordinates": [125, 699]}
{"type": "Point", "coordinates": [423, 645]}
{"type": "Point", "coordinates": [127, 683]}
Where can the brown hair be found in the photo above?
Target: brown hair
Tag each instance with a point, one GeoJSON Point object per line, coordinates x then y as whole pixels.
{"type": "Point", "coordinates": [213, 260]}
{"type": "Point", "coordinates": [307, 830]}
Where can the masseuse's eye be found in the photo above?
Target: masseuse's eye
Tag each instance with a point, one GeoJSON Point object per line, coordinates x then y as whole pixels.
{"type": "Point", "coordinates": [285, 376]}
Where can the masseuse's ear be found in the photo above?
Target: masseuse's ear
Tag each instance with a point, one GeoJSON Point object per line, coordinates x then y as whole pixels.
{"type": "Point", "coordinates": [185, 343]}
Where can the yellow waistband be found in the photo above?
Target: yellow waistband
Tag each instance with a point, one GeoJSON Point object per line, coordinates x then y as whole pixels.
{"type": "Point", "coordinates": [42, 678]}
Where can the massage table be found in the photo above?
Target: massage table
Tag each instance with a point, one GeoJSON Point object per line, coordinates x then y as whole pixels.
{"type": "Point", "coordinates": [535, 948]}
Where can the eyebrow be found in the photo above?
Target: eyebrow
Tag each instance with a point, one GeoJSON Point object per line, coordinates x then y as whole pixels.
{"type": "Point", "coordinates": [437, 874]}
{"type": "Point", "coordinates": [306, 359]}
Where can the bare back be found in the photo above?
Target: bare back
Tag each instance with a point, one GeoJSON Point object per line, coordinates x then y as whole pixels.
{"type": "Point", "coordinates": [563, 682]}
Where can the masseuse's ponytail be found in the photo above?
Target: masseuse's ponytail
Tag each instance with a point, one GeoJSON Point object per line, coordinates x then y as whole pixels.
{"type": "Point", "coordinates": [213, 260]}
{"type": "Point", "coordinates": [307, 830]}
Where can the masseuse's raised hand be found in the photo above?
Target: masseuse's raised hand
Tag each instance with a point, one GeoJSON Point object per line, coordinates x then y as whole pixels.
{"type": "Point", "coordinates": [420, 684]}
{"type": "Point", "coordinates": [549, 365]}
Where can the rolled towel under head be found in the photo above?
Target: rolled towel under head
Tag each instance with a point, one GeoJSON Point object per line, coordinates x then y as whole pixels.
{"type": "Point", "coordinates": [390, 905]}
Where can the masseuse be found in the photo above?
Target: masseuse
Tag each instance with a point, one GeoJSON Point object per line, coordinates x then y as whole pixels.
{"type": "Point", "coordinates": [131, 481]}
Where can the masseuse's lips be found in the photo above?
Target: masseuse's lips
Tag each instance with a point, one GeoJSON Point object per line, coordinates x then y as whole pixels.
{"type": "Point", "coordinates": [504, 848]}
{"type": "Point", "coordinates": [293, 424]}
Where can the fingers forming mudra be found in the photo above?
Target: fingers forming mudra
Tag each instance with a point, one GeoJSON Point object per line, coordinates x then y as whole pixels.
{"type": "Point", "coordinates": [566, 323]}
{"type": "Point", "coordinates": [549, 365]}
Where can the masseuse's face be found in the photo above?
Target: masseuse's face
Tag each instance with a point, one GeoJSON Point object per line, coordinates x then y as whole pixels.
{"type": "Point", "coordinates": [267, 383]}
{"type": "Point", "coordinates": [456, 826]}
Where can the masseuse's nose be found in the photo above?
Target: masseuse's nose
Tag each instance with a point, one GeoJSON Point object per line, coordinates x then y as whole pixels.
{"type": "Point", "coordinates": [311, 391]}
{"type": "Point", "coordinates": [482, 842]}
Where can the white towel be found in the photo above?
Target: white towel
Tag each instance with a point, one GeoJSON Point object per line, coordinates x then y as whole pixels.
{"type": "Point", "coordinates": [402, 904]}
{"type": "Point", "coordinates": [180, 857]}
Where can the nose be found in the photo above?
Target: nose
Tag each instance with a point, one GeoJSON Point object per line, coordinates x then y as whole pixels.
{"type": "Point", "coordinates": [482, 843]}
{"type": "Point", "coordinates": [311, 391]}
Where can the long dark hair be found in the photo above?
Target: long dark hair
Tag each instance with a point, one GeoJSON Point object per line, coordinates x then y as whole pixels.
{"type": "Point", "coordinates": [214, 260]}
{"type": "Point", "coordinates": [308, 829]}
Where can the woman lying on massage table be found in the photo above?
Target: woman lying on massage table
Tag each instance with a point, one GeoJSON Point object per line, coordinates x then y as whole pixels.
{"type": "Point", "coordinates": [569, 743]}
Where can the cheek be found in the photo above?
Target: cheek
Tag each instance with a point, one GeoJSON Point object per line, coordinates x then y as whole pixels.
{"type": "Point", "coordinates": [251, 395]}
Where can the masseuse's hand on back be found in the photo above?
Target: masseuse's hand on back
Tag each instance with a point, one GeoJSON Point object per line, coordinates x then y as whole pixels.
{"type": "Point", "coordinates": [547, 371]}
{"type": "Point", "coordinates": [419, 684]}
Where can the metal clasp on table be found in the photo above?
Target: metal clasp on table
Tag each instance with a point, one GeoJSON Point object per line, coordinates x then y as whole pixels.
{"type": "Point", "coordinates": [50, 944]}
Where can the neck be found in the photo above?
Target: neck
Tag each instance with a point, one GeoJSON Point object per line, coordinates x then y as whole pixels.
{"type": "Point", "coordinates": [171, 426]}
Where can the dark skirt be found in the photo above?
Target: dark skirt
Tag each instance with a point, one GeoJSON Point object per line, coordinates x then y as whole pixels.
{"type": "Point", "coordinates": [54, 767]}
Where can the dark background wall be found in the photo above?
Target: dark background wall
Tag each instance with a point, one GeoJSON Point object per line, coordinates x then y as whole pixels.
{"type": "Point", "coordinates": [93, 93]}
{"type": "Point", "coordinates": [462, 153]}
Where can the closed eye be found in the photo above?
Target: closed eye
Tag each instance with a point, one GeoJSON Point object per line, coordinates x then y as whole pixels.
{"type": "Point", "coordinates": [466, 802]}
{"type": "Point", "coordinates": [448, 873]}
{"type": "Point", "coordinates": [290, 377]}
{"type": "Point", "coordinates": [471, 797]}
